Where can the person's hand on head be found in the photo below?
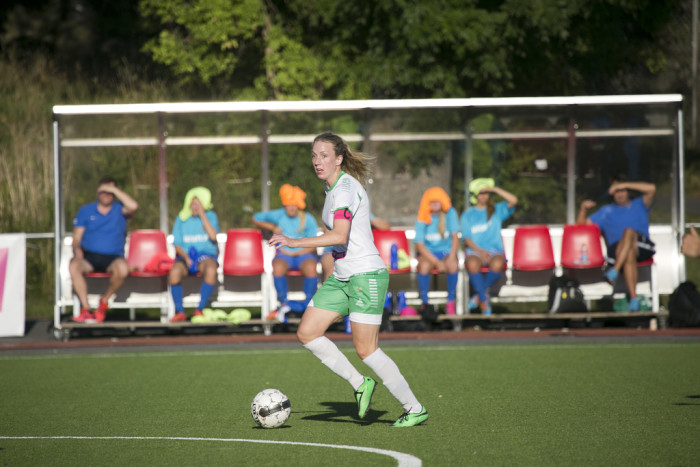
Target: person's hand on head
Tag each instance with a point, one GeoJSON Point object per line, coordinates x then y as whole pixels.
{"type": "Point", "coordinates": [197, 208]}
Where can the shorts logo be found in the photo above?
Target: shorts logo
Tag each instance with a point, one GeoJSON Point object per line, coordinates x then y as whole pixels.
{"type": "Point", "coordinates": [359, 302]}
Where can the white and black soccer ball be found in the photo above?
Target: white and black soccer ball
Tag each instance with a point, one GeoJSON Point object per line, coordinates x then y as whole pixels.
{"type": "Point", "coordinates": [270, 408]}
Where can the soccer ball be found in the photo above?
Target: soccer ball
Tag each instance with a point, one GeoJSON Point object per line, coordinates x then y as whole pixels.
{"type": "Point", "coordinates": [270, 408]}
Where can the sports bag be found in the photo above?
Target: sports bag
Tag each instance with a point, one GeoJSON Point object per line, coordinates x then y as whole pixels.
{"type": "Point", "coordinates": [684, 306]}
{"type": "Point", "coordinates": [565, 296]}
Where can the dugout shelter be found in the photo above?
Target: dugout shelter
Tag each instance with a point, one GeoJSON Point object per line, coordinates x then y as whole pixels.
{"type": "Point", "coordinates": [571, 143]}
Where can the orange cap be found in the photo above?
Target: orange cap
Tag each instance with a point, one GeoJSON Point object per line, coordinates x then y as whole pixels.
{"type": "Point", "coordinates": [432, 194]}
{"type": "Point", "coordinates": [292, 196]}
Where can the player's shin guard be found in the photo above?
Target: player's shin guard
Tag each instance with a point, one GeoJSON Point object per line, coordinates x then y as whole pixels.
{"type": "Point", "coordinates": [310, 286]}
{"type": "Point", "coordinates": [477, 282]}
{"type": "Point", "coordinates": [176, 292]}
{"type": "Point", "coordinates": [490, 278]}
{"type": "Point", "coordinates": [281, 287]}
{"type": "Point", "coordinates": [452, 286]}
{"type": "Point", "coordinates": [204, 293]}
{"type": "Point", "coordinates": [392, 378]}
{"type": "Point", "coordinates": [423, 286]}
{"type": "Point", "coordinates": [329, 354]}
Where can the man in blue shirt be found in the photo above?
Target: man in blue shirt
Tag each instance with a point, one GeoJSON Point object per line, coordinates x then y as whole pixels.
{"type": "Point", "coordinates": [99, 234]}
{"type": "Point", "coordinates": [625, 226]}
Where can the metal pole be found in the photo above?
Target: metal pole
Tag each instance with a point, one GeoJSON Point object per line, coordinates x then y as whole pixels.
{"type": "Point", "coordinates": [162, 174]}
{"type": "Point", "coordinates": [265, 181]}
{"type": "Point", "coordinates": [694, 75]}
{"type": "Point", "coordinates": [679, 218]}
{"type": "Point", "coordinates": [468, 161]}
{"type": "Point", "coordinates": [57, 223]}
{"type": "Point", "coordinates": [571, 172]}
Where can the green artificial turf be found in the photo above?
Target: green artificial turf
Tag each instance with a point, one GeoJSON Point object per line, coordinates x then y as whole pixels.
{"type": "Point", "coordinates": [567, 404]}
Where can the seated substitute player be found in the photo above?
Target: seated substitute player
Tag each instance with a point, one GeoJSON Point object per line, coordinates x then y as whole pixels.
{"type": "Point", "coordinates": [437, 242]}
{"type": "Point", "coordinates": [481, 231]}
{"type": "Point", "coordinates": [99, 234]}
{"type": "Point", "coordinates": [293, 222]}
{"type": "Point", "coordinates": [196, 249]}
{"type": "Point", "coordinates": [625, 227]}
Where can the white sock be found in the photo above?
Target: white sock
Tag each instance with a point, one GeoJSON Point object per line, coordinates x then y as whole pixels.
{"type": "Point", "coordinates": [394, 381]}
{"type": "Point", "coordinates": [325, 350]}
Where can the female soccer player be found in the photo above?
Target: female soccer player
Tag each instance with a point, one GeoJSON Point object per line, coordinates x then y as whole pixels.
{"type": "Point", "coordinates": [358, 284]}
{"type": "Point", "coordinates": [437, 242]}
{"type": "Point", "coordinates": [481, 231]}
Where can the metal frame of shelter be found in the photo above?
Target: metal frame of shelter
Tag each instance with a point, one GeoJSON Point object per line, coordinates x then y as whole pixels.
{"type": "Point", "coordinates": [265, 138]}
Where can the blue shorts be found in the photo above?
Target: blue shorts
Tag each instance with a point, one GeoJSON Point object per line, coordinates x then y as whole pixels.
{"type": "Point", "coordinates": [200, 258]}
{"type": "Point", "coordinates": [98, 261]}
{"type": "Point", "coordinates": [294, 262]}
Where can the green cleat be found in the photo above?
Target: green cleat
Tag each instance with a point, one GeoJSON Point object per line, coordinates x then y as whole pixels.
{"type": "Point", "coordinates": [363, 395]}
{"type": "Point", "coordinates": [411, 419]}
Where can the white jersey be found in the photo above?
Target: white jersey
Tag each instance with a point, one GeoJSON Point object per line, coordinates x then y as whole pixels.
{"type": "Point", "coordinates": [359, 255]}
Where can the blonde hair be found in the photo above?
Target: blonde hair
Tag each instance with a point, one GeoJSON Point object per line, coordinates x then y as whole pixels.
{"type": "Point", "coordinates": [355, 163]}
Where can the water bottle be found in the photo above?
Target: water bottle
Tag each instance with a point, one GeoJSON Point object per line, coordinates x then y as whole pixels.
{"type": "Point", "coordinates": [193, 257]}
{"type": "Point", "coordinates": [394, 261]}
{"type": "Point", "coordinates": [584, 254]}
{"type": "Point", "coordinates": [400, 300]}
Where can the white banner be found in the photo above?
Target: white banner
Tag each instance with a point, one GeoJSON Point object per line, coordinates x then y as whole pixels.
{"type": "Point", "coordinates": [13, 259]}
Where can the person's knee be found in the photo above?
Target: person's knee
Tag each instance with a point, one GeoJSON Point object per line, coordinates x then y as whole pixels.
{"type": "Point", "coordinates": [120, 269]}
{"type": "Point", "coordinates": [365, 350]}
{"type": "Point", "coordinates": [304, 335]}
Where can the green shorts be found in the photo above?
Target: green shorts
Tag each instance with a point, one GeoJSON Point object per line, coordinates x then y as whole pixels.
{"type": "Point", "coordinates": [361, 297]}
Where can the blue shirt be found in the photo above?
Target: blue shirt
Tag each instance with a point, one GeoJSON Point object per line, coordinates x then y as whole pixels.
{"type": "Point", "coordinates": [429, 234]}
{"type": "Point", "coordinates": [289, 225]}
{"type": "Point", "coordinates": [191, 233]}
{"type": "Point", "coordinates": [104, 233]}
{"type": "Point", "coordinates": [486, 233]}
{"type": "Point", "coordinates": [614, 219]}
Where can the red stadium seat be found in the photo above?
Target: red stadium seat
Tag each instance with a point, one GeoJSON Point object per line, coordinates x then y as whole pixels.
{"type": "Point", "coordinates": [245, 282]}
{"type": "Point", "coordinates": [384, 239]}
{"type": "Point", "coordinates": [532, 248]}
{"type": "Point", "coordinates": [243, 255]}
{"type": "Point", "coordinates": [144, 245]}
{"type": "Point", "coordinates": [581, 247]}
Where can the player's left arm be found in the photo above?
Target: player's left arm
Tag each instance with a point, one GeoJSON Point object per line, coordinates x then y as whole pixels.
{"type": "Point", "coordinates": [338, 235]}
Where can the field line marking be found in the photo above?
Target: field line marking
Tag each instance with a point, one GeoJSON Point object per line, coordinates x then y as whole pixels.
{"type": "Point", "coordinates": [403, 459]}
{"type": "Point", "coordinates": [350, 350]}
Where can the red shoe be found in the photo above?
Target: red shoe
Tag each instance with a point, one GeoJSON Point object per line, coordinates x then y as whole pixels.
{"type": "Point", "coordinates": [101, 310]}
{"type": "Point", "coordinates": [179, 317]}
{"type": "Point", "coordinates": [271, 315]}
{"type": "Point", "coordinates": [450, 308]}
{"type": "Point", "coordinates": [197, 313]}
{"type": "Point", "coordinates": [84, 317]}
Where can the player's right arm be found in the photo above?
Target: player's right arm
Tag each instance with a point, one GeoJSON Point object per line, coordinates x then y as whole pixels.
{"type": "Point", "coordinates": [77, 240]}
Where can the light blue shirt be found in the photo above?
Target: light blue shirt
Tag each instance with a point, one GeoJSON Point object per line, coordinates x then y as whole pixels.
{"type": "Point", "coordinates": [429, 234]}
{"type": "Point", "coordinates": [191, 233]}
{"type": "Point", "coordinates": [289, 225]}
{"type": "Point", "coordinates": [486, 233]}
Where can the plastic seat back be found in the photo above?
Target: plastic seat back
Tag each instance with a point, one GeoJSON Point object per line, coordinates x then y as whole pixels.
{"type": "Point", "coordinates": [143, 245]}
{"type": "Point", "coordinates": [384, 239]}
{"type": "Point", "coordinates": [243, 255]}
{"type": "Point", "coordinates": [532, 248]}
{"type": "Point", "coordinates": [581, 247]}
